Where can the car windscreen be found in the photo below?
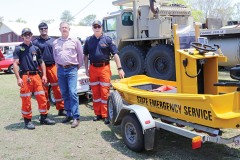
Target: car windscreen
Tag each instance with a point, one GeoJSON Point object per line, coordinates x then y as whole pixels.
{"type": "Point", "coordinates": [8, 56]}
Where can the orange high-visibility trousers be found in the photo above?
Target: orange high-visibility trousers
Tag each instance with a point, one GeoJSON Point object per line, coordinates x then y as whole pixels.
{"type": "Point", "coordinates": [51, 74]}
{"type": "Point", "coordinates": [32, 84]}
{"type": "Point", "coordinates": [100, 78]}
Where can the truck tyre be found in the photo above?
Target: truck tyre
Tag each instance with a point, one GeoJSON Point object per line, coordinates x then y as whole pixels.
{"type": "Point", "coordinates": [114, 106]}
{"type": "Point", "coordinates": [132, 60]}
{"type": "Point", "coordinates": [160, 62]}
{"type": "Point", "coordinates": [132, 133]}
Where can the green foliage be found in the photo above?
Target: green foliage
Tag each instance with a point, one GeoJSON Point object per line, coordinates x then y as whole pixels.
{"type": "Point", "coordinates": [196, 14]}
{"type": "Point", "coordinates": [20, 20]}
{"type": "Point", "coordinates": [67, 17]}
{"type": "Point", "coordinates": [48, 21]}
{"type": "Point", "coordinates": [87, 21]}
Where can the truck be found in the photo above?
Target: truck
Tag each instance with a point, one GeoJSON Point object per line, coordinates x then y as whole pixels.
{"type": "Point", "coordinates": [228, 38]}
{"type": "Point", "coordinates": [143, 35]}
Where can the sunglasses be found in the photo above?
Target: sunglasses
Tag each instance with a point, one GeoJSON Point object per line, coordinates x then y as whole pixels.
{"type": "Point", "coordinates": [27, 34]}
{"type": "Point", "coordinates": [95, 27]}
{"type": "Point", "coordinates": [43, 28]}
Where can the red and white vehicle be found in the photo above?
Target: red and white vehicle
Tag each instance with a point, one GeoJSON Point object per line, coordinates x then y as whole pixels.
{"type": "Point", "coordinates": [83, 87]}
{"type": "Point", "coordinates": [6, 63]}
{"type": "Point", "coordinates": [6, 60]}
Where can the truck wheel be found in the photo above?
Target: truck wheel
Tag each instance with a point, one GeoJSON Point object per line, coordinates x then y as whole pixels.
{"type": "Point", "coordinates": [132, 59]}
{"type": "Point", "coordinates": [10, 69]}
{"type": "Point", "coordinates": [160, 62]}
{"type": "Point", "coordinates": [114, 106]}
{"type": "Point", "coordinates": [51, 96]}
{"type": "Point", "coordinates": [132, 133]}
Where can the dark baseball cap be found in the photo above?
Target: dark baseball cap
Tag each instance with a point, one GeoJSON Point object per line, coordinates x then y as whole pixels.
{"type": "Point", "coordinates": [42, 25]}
{"type": "Point", "coordinates": [97, 22]}
{"type": "Point", "coordinates": [26, 30]}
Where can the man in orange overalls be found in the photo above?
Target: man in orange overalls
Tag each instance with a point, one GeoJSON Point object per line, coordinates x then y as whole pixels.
{"type": "Point", "coordinates": [98, 49]}
{"type": "Point", "coordinates": [27, 58]}
{"type": "Point", "coordinates": [44, 43]}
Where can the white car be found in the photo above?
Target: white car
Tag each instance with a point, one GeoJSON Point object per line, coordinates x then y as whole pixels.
{"type": "Point", "coordinates": [83, 87]}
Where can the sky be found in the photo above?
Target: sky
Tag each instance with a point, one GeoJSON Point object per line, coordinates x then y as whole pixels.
{"type": "Point", "coordinates": [33, 11]}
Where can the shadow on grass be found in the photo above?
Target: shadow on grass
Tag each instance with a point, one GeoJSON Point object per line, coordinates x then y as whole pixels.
{"type": "Point", "coordinates": [5, 74]}
{"type": "Point", "coordinates": [35, 121]}
{"type": "Point", "coordinates": [20, 125]}
{"type": "Point", "coordinates": [172, 146]}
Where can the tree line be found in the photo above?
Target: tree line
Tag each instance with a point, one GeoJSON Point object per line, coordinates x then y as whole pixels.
{"type": "Point", "coordinates": [201, 10]}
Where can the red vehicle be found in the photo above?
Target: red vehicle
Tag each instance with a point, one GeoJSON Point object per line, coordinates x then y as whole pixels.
{"type": "Point", "coordinates": [6, 63]}
{"type": "Point", "coordinates": [6, 56]}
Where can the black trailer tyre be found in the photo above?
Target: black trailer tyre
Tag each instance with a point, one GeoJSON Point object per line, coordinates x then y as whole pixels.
{"type": "Point", "coordinates": [51, 96]}
{"type": "Point", "coordinates": [132, 60]}
{"type": "Point", "coordinates": [160, 62]}
{"type": "Point", "coordinates": [10, 69]}
{"type": "Point", "coordinates": [132, 133]}
{"type": "Point", "coordinates": [114, 106]}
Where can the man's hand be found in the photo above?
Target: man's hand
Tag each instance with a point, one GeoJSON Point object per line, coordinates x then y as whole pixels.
{"type": "Point", "coordinates": [20, 82]}
{"type": "Point", "coordinates": [44, 79]}
{"type": "Point", "coordinates": [87, 72]}
{"type": "Point", "coordinates": [121, 73]}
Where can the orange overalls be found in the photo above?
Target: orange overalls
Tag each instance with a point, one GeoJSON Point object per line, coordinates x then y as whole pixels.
{"type": "Point", "coordinates": [100, 78]}
{"type": "Point", "coordinates": [32, 84]}
{"type": "Point", "coordinates": [51, 74]}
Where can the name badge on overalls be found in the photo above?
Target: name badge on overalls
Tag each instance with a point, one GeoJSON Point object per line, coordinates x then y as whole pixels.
{"type": "Point", "coordinates": [34, 56]}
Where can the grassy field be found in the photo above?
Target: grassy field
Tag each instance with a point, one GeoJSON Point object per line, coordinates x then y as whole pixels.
{"type": "Point", "coordinates": [91, 140]}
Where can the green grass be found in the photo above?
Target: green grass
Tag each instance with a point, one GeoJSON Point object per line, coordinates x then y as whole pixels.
{"type": "Point", "coordinates": [91, 140]}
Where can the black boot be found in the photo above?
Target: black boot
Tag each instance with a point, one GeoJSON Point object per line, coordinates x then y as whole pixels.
{"type": "Point", "coordinates": [62, 112]}
{"type": "Point", "coordinates": [28, 124]}
{"type": "Point", "coordinates": [106, 121]}
{"type": "Point", "coordinates": [45, 120]}
{"type": "Point", "coordinates": [97, 118]}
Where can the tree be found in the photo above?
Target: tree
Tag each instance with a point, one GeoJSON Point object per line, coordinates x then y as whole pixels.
{"type": "Point", "coordinates": [48, 21]}
{"type": "Point", "coordinates": [196, 14]}
{"type": "Point", "coordinates": [67, 16]}
{"type": "Point", "coordinates": [213, 8]}
{"type": "Point", "coordinates": [1, 19]}
{"type": "Point", "coordinates": [87, 21]}
{"type": "Point", "coordinates": [236, 15]}
{"type": "Point", "coordinates": [20, 20]}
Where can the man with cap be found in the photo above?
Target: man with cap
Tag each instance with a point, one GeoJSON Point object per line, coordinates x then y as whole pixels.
{"type": "Point", "coordinates": [27, 58]}
{"type": "Point", "coordinates": [44, 43]}
{"type": "Point", "coordinates": [98, 48]}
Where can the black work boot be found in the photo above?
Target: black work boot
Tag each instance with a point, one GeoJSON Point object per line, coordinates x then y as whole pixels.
{"type": "Point", "coordinates": [45, 120]}
{"type": "Point", "coordinates": [97, 118]}
{"type": "Point", "coordinates": [62, 112]}
{"type": "Point", "coordinates": [106, 121]}
{"type": "Point", "coordinates": [28, 124]}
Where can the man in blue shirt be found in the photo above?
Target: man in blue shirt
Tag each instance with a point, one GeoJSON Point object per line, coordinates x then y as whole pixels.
{"type": "Point", "coordinates": [98, 48]}
{"type": "Point", "coordinates": [27, 58]}
{"type": "Point", "coordinates": [44, 43]}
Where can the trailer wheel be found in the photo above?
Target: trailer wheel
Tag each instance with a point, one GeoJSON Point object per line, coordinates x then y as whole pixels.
{"type": "Point", "coordinates": [51, 96]}
{"type": "Point", "coordinates": [160, 62]}
{"type": "Point", "coordinates": [132, 133]}
{"type": "Point", "coordinates": [10, 69]}
{"type": "Point", "coordinates": [132, 59]}
{"type": "Point", "coordinates": [114, 106]}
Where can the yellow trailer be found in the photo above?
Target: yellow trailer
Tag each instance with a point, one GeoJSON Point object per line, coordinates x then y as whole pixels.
{"type": "Point", "coordinates": [195, 99]}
